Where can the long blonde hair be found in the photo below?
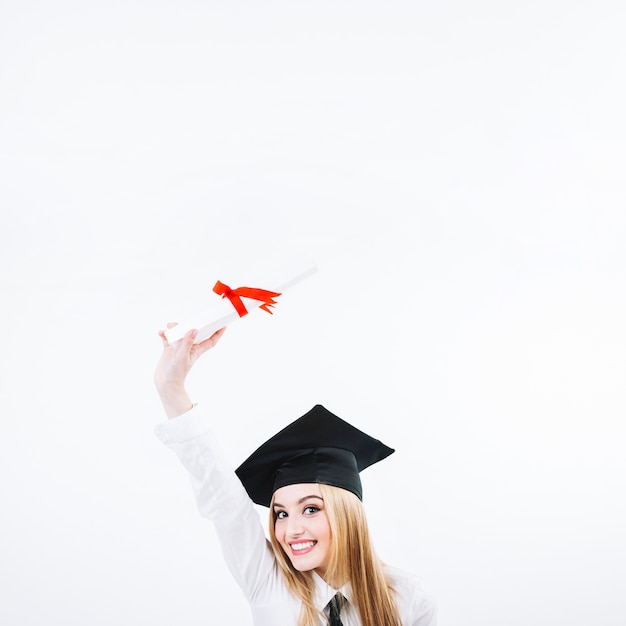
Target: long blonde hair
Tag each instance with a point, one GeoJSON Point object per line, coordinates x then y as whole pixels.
{"type": "Point", "coordinates": [352, 559]}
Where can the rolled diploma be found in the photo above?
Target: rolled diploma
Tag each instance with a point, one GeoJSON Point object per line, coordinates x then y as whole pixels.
{"type": "Point", "coordinates": [223, 312]}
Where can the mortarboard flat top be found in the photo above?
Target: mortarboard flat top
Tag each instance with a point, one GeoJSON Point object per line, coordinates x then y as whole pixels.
{"type": "Point", "coordinates": [319, 447]}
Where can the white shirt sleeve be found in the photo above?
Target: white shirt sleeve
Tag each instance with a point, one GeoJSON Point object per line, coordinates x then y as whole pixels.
{"type": "Point", "coordinates": [221, 497]}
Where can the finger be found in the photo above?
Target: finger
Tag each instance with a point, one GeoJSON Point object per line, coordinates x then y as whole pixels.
{"type": "Point", "coordinates": [205, 344]}
{"type": "Point", "coordinates": [188, 339]}
{"type": "Point", "coordinates": [171, 324]}
{"type": "Point", "coordinates": [164, 339]}
{"type": "Point", "coordinates": [218, 333]}
{"type": "Point", "coordinates": [215, 337]}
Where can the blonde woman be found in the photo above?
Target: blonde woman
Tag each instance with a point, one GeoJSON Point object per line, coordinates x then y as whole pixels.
{"type": "Point", "coordinates": [319, 566]}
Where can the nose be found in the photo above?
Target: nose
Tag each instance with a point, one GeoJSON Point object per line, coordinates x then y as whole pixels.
{"type": "Point", "coordinates": [294, 528]}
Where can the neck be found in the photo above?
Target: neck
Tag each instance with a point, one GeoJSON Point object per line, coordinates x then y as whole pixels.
{"type": "Point", "coordinates": [332, 581]}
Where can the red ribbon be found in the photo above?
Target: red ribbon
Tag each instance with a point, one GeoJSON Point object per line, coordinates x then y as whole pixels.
{"type": "Point", "coordinates": [235, 295]}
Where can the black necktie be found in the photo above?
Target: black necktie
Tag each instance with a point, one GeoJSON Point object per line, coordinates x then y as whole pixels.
{"type": "Point", "coordinates": [335, 605]}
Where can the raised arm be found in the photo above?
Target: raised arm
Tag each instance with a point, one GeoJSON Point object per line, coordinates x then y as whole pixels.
{"type": "Point", "coordinates": [219, 493]}
{"type": "Point", "coordinates": [175, 363]}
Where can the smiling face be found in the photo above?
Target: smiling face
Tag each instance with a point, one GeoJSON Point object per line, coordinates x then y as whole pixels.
{"type": "Point", "coordinates": [301, 526]}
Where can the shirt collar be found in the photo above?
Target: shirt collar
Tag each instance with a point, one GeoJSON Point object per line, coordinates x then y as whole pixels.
{"type": "Point", "coordinates": [324, 592]}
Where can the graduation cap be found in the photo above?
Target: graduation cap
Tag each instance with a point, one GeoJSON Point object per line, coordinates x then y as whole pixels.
{"type": "Point", "coordinates": [319, 447]}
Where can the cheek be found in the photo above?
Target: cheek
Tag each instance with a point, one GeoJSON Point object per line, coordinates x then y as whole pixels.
{"type": "Point", "coordinates": [279, 532]}
{"type": "Point", "coordinates": [323, 529]}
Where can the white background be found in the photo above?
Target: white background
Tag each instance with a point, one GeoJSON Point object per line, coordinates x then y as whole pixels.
{"type": "Point", "coordinates": [456, 170]}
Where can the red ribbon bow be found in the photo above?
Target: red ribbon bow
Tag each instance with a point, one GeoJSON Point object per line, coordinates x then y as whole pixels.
{"type": "Point", "coordinates": [235, 295]}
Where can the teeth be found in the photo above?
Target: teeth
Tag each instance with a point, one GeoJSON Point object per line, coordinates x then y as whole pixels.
{"type": "Point", "coordinates": [302, 546]}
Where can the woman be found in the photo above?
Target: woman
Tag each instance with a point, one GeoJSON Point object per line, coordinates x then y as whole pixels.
{"type": "Point", "coordinates": [319, 566]}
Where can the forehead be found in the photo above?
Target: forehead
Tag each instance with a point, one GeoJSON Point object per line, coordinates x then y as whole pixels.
{"type": "Point", "coordinates": [290, 494]}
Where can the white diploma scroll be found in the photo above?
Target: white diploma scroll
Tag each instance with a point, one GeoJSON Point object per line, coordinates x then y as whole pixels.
{"type": "Point", "coordinates": [223, 312]}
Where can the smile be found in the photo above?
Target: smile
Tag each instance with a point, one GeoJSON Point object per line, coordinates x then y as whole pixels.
{"type": "Point", "coordinates": [305, 546]}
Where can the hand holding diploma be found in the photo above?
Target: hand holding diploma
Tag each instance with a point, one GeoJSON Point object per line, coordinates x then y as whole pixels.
{"type": "Point", "coordinates": [175, 363]}
{"type": "Point", "coordinates": [184, 343]}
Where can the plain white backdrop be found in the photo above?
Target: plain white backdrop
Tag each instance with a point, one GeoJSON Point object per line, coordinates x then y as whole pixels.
{"type": "Point", "coordinates": [456, 170]}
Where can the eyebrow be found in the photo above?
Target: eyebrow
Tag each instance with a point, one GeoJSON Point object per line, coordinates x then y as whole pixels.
{"type": "Point", "coordinates": [301, 500]}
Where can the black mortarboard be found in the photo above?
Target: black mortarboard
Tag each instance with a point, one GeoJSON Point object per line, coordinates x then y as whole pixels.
{"type": "Point", "coordinates": [319, 447]}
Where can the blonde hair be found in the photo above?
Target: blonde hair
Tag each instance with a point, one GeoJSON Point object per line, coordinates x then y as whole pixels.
{"type": "Point", "coordinates": [352, 559]}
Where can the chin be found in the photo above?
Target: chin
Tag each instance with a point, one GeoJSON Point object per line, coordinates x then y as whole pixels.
{"type": "Point", "coordinates": [308, 567]}
{"type": "Point", "coordinates": [303, 567]}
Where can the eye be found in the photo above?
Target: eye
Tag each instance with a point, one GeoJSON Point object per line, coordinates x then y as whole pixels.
{"type": "Point", "coordinates": [310, 510]}
{"type": "Point", "coordinates": [281, 514]}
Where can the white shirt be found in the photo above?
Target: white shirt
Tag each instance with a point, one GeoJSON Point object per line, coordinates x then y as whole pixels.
{"type": "Point", "coordinates": [222, 498]}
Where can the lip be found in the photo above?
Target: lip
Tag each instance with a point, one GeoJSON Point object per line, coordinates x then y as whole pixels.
{"type": "Point", "coordinates": [303, 550]}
